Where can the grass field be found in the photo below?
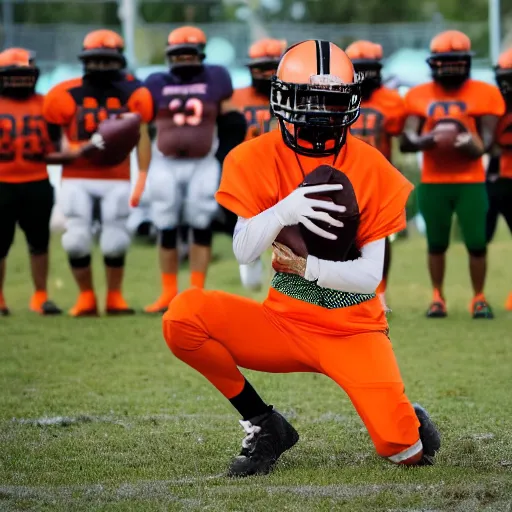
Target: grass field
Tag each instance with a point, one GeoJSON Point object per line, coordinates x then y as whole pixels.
{"type": "Point", "coordinates": [96, 414]}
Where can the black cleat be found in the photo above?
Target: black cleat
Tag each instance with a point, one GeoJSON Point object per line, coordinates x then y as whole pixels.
{"type": "Point", "coordinates": [268, 437]}
{"type": "Point", "coordinates": [481, 309]}
{"type": "Point", "coordinates": [4, 311]}
{"type": "Point", "coordinates": [429, 435]}
{"type": "Point", "coordinates": [437, 309]}
{"type": "Point", "coordinates": [50, 308]}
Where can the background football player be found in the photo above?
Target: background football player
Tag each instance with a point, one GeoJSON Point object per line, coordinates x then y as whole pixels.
{"type": "Point", "coordinates": [254, 101]}
{"type": "Point", "coordinates": [26, 195]}
{"type": "Point", "coordinates": [78, 106]}
{"type": "Point", "coordinates": [453, 176]}
{"type": "Point", "coordinates": [382, 117]}
{"type": "Point", "coordinates": [320, 315]}
{"type": "Point", "coordinates": [499, 172]}
{"type": "Point", "coordinates": [195, 123]}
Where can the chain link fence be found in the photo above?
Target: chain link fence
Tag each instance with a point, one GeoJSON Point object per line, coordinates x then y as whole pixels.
{"type": "Point", "coordinates": [59, 43]}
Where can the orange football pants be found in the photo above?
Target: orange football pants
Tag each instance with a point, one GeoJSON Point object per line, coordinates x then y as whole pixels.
{"type": "Point", "coordinates": [215, 333]}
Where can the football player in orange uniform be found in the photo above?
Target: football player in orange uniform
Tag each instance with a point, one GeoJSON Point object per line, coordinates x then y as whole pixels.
{"type": "Point", "coordinates": [320, 316]}
{"type": "Point", "coordinates": [254, 101]}
{"type": "Point", "coordinates": [77, 106]}
{"type": "Point", "coordinates": [453, 175]}
{"type": "Point", "coordinates": [499, 172]}
{"type": "Point", "coordinates": [196, 126]}
{"type": "Point", "coordinates": [382, 118]}
{"type": "Point", "coordinates": [26, 195]}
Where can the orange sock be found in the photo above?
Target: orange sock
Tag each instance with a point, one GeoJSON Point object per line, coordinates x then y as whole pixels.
{"type": "Point", "coordinates": [2, 300]}
{"type": "Point", "coordinates": [438, 296]}
{"type": "Point", "coordinates": [169, 285]}
{"type": "Point", "coordinates": [382, 287]}
{"type": "Point", "coordinates": [479, 297]}
{"type": "Point", "coordinates": [115, 300]}
{"type": "Point", "coordinates": [197, 279]}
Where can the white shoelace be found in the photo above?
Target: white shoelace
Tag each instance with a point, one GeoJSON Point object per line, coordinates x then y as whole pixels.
{"type": "Point", "coordinates": [251, 431]}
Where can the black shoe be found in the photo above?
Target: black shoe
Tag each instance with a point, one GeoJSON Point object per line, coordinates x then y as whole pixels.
{"type": "Point", "coordinates": [50, 308]}
{"type": "Point", "coordinates": [429, 435]}
{"type": "Point", "coordinates": [481, 309]}
{"type": "Point", "coordinates": [4, 311]}
{"type": "Point", "coordinates": [268, 436]}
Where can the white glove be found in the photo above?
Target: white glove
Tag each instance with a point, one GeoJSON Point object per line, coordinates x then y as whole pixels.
{"type": "Point", "coordinates": [296, 208]}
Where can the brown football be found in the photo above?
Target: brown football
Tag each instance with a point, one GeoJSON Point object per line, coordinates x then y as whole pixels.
{"type": "Point", "coordinates": [446, 132]}
{"type": "Point", "coordinates": [116, 137]}
{"type": "Point", "coordinates": [303, 242]}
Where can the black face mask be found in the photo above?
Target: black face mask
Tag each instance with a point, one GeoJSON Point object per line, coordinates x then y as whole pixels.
{"type": "Point", "coordinates": [187, 72]}
{"type": "Point", "coordinates": [450, 82]}
{"type": "Point", "coordinates": [102, 78]}
{"type": "Point", "coordinates": [368, 87]}
{"type": "Point", "coordinates": [18, 93]}
{"type": "Point", "coordinates": [262, 86]}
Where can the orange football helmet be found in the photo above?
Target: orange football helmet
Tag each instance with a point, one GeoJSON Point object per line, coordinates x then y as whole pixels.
{"type": "Point", "coordinates": [316, 96]}
{"type": "Point", "coordinates": [503, 72]}
{"type": "Point", "coordinates": [103, 45]}
{"type": "Point", "coordinates": [186, 41]}
{"type": "Point", "coordinates": [18, 72]}
{"type": "Point", "coordinates": [366, 58]}
{"type": "Point", "coordinates": [450, 58]}
{"type": "Point", "coordinates": [264, 58]}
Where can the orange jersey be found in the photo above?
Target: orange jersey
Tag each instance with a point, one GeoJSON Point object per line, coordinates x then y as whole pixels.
{"type": "Point", "coordinates": [382, 117]}
{"type": "Point", "coordinates": [504, 140]}
{"type": "Point", "coordinates": [259, 173]}
{"type": "Point", "coordinates": [24, 140]}
{"type": "Point", "coordinates": [431, 102]}
{"type": "Point", "coordinates": [79, 109]}
{"type": "Point", "coordinates": [256, 108]}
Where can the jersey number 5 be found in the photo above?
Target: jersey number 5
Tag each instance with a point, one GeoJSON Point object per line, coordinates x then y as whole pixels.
{"type": "Point", "coordinates": [186, 112]}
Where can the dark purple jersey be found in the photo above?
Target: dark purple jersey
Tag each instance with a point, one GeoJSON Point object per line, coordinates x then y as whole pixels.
{"type": "Point", "coordinates": [186, 112]}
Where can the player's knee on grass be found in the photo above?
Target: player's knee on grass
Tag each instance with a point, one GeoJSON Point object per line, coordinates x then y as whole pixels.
{"type": "Point", "coordinates": [393, 425]}
{"type": "Point", "coordinates": [114, 239]}
{"type": "Point", "coordinates": [182, 325]}
{"type": "Point", "coordinates": [77, 239]}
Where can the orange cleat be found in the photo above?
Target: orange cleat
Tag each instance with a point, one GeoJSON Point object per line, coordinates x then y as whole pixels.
{"type": "Point", "coordinates": [86, 305]}
{"type": "Point", "coordinates": [161, 305]}
{"type": "Point", "coordinates": [4, 310]}
{"type": "Point", "coordinates": [40, 304]}
{"type": "Point", "coordinates": [508, 303]}
{"type": "Point", "coordinates": [116, 305]}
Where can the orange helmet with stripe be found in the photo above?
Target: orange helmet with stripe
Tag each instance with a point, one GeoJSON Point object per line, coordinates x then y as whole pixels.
{"type": "Point", "coordinates": [503, 71]}
{"type": "Point", "coordinates": [103, 46]}
{"type": "Point", "coordinates": [450, 58]}
{"type": "Point", "coordinates": [264, 58]}
{"type": "Point", "coordinates": [316, 96]}
{"type": "Point", "coordinates": [18, 72]}
{"type": "Point", "coordinates": [366, 57]}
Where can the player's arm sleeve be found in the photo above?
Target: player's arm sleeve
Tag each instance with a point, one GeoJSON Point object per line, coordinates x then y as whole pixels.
{"type": "Point", "coordinates": [252, 237]}
{"type": "Point", "coordinates": [494, 104]}
{"type": "Point", "coordinates": [141, 102]}
{"type": "Point", "coordinates": [249, 192]}
{"type": "Point", "coordinates": [247, 186]}
{"type": "Point", "coordinates": [362, 275]}
{"type": "Point", "coordinates": [59, 107]}
{"type": "Point", "coordinates": [395, 121]}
